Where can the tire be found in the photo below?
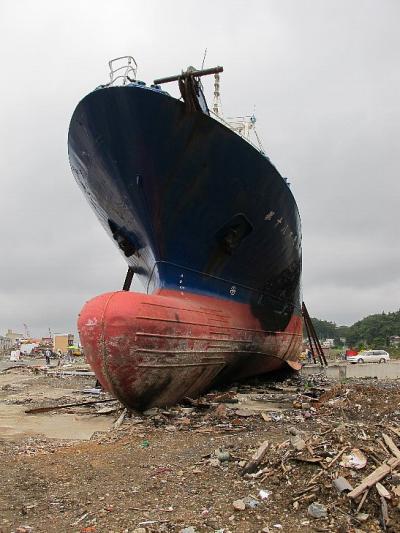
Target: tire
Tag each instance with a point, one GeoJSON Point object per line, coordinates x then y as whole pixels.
{"type": "Point", "coordinates": [360, 360]}
{"type": "Point", "coordinates": [382, 360]}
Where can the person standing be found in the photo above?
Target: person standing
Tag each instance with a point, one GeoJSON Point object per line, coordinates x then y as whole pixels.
{"type": "Point", "coordinates": [47, 355]}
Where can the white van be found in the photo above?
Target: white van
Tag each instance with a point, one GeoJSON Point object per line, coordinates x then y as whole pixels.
{"type": "Point", "coordinates": [369, 356]}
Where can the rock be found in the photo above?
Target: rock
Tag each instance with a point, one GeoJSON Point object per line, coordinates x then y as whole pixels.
{"type": "Point", "coordinates": [220, 411]}
{"type": "Point", "coordinates": [317, 510]}
{"type": "Point", "coordinates": [222, 455]}
{"type": "Point", "coordinates": [189, 529]}
{"type": "Point", "coordinates": [239, 505]}
{"type": "Point", "coordinates": [297, 442]}
{"type": "Point", "coordinates": [139, 530]}
{"type": "Point", "coordinates": [362, 517]}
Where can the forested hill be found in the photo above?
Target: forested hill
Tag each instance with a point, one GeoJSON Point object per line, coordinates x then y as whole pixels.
{"type": "Point", "coordinates": [373, 330]}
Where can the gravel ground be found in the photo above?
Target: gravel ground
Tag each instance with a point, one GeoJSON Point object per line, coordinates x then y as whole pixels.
{"type": "Point", "coordinates": [181, 468]}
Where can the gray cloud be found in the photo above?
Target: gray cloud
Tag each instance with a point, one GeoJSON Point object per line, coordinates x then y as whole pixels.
{"type": "Point", "coordinates": [324, 80]}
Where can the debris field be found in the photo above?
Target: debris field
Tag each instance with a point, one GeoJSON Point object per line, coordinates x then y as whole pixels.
{"type": "Point", "coordinates": [294, 455]}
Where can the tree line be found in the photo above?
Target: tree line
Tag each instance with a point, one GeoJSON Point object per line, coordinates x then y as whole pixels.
{"type": "Point", "coordinates": [373, 331]}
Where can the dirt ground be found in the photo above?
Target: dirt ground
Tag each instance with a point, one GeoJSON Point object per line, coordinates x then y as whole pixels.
{"type": "Point", "coordinates": [187, 468]}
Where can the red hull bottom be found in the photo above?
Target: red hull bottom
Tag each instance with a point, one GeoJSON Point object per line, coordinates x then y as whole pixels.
{"type": "Point", "coordinates": [153, 350]}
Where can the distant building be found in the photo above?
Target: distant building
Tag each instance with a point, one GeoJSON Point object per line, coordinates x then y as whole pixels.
{"type": "Point", "coordinates": [328, 343]}
{"type": "Point", "coordinates": [61, 342]}
{"type": "Point", "coordinates": [27, 347]}
{"type": "Point", "coordinates": [14, 336]}
{"type": "Point", "coordinates": [5, 343]}
{"type": "Point", "coordinates": [394, 340]}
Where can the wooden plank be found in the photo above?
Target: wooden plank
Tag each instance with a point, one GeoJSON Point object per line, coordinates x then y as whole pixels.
{"type": "Point", "coordinates": [391, 445]}
{"type": "Point", "coordinates": [256, 459]}
{"type": "Point", "coordinates": [337, 456]}
{"type": "Point", "coordinates": [362, 501]}
{"type": "Point", "coordinates": [55, 407]}
{"type": "Point", "coordinates": [378, 474]}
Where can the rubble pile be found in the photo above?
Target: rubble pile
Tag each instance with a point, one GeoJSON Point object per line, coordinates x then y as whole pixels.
{"type": "Point", "coordinates": [295, 455]}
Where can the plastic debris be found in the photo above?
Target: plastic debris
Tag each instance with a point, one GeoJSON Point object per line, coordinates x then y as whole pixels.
{"type": "Point", "coordinates": [341, 484]}
{"type": "Point", "coordinates": [382, 491]}
{"type": "Point", "coordinates": [356, 459]}
{"type": "Point", "coordinates": [250, 502]}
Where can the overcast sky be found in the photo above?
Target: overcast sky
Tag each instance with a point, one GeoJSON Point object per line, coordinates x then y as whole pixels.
{"type": "Point", "coordinates": [323, 77]}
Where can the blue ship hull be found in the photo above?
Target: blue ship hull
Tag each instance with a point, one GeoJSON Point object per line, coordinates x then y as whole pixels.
{"type": "Point", "coordinates": [192, 206]}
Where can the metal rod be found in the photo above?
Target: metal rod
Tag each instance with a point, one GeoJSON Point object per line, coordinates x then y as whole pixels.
{"type": "Point", "coordinates": [309, 339]}
{"type": "Point", "coordinates": [128, 279]}
{"type": "Point", "coordinates": [312, 336]}
{"type": "Point", "coordinates": [188, 73]}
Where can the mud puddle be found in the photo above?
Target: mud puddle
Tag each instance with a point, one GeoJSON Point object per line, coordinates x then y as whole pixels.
{"type": "Point", "coordinates": [15, 423]}
{"type": "Point", "coordinates": [18, 390]}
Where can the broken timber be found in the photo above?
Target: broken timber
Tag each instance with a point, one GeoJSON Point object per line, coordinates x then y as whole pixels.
{"type": "Point", "coordinates": [378, 474]}
{"type": "Point", "coordinates": [256, 459]}
{"type": "Point", "coordinates": [391, 445]}
{"type": "Point", "coordinates": [54, 407]}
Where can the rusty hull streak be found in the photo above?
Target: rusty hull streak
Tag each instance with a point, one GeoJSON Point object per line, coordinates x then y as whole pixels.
{"type": "Point", "coordinates": [178, 352]}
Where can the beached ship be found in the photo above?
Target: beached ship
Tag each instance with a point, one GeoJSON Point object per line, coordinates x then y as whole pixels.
{"type": "Point", "coordinates": [207, 225]}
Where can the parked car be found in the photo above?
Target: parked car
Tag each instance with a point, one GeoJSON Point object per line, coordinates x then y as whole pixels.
{"type": "Point", "coordinates": [369, 356]}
